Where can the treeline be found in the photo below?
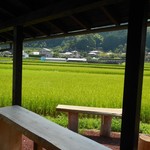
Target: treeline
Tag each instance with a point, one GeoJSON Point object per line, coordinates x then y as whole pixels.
{"type": "Point", "coordinates": [109, 41]}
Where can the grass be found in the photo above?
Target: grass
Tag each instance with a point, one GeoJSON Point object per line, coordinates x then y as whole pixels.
{"type": "Point", "coordinates": [47, 84]}
{"type": "Point", "coordinates": [75, 88]}
{"type": "Point", "coordinates": [94, 123]}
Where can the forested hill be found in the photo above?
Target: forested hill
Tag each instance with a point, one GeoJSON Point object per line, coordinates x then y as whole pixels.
{"type": "Point", "coordinates": [108, 41]}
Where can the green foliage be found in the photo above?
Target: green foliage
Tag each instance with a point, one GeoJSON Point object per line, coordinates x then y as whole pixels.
{"type": "Point", "coordinates": [94, 123]}
{"type": "Point", "coordinates": [60, 119]}
{"type": "Point", "coordinates": [144, 128]}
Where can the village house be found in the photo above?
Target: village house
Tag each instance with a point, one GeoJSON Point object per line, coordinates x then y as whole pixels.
{"type": "Point", "coordinates": [46, 52]}
{"type": "Point", "coordinates": [94, 53]}
{"type": "Point", "coordinates": [25, 55]}
{"type": "Point", "coordinates": [75, 54]}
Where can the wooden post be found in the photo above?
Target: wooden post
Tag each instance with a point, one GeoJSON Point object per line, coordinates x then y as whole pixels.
{"type": "Point", "coordinates": [144, 142]}
{"type": "Point", "coordinates": [133, 74]}
{"type": "Point", "coordinates": [73, 121]}
{"type": "Point", "coordinates": [10, 139]}
{"type": "Point", "coordinates": [105, 126]}
{"type": "Point", "coordinates": [17, 65]}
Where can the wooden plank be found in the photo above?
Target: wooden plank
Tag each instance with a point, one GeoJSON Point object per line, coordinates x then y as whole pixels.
{"type": "Point", "coordinates": [90, 110]}
{"type": "Point", "coordinates": [53, 136]}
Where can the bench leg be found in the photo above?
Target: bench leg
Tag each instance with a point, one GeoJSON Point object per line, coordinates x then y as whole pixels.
{"type": "Point", "coordinates": [10, 138]}
{"type": "Point", "coordinates": [105, 125]}
{"type": "Point", "coordinates": [73, 121]}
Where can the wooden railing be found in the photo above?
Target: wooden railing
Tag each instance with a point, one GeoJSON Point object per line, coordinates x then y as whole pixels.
{"type": "Point", "coordinates": [15, 121]}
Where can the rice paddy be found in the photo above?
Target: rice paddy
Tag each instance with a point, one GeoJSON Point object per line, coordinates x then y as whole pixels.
{"type": "Point", "coordinates": [47, 84]}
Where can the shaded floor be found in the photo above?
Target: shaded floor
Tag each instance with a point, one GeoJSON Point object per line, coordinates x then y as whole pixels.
{"type": "Point", "coordinates": [112, 142]}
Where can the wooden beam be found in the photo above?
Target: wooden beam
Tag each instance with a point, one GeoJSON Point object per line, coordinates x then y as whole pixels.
{"type": "Point", "coordinates": [133, 75]}
{"type": "Point", "coordinates": [17, 65]}
{"type": "Point", "coordinates": [102, 29]}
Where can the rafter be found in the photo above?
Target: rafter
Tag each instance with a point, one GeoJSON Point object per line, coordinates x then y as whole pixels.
{"type": "Point", "coordinates": [109, 16]}
{"type": "Point", "coordinates": [6, 36]}
{"type": "Point", "coordinates": [20, 4]}
{"type": "Point", "coordinates": [55, 26]}
{"type": "Point", "coordinates": [36, 29]}
{"type": "Point", "coordinates": [2, 38]}
{"type": "Point", "coordinates": [7, 12]}
{"type": "Point", "coordinates": [29, 33]}
{"type": "Point", "coordinates": [79, 22]}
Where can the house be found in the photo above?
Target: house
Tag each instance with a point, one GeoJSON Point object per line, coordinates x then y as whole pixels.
{"type": "Point", "coordinates": [46, 52]}
{"type": "Point", "coordinates": [25, 55]}
{"type": "Point", "coordinates": [94, 53]}
{"type": "Point", "coordinates": [66, 54]}
{"type": "Point", "coordinates": [35, 53]}
{"type": "Point", "coordinates": [75, 54]}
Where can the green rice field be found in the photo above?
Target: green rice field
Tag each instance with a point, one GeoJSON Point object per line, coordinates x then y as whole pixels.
{"type": "Point", "coordinates": [47, 84]}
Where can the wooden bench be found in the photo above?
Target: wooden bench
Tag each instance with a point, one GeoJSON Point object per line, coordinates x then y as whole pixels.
{"type": "Point", "coordinates": [15, 121]}
{"type": "Point", "coordinates": [106, 116]}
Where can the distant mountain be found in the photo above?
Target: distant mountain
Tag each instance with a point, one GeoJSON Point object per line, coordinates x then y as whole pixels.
{"type": "Point", "coordinates": [107, 41]}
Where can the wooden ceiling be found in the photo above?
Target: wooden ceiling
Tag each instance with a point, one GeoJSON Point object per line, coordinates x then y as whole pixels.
{"type": "Point", "coordinates": [56, 18]}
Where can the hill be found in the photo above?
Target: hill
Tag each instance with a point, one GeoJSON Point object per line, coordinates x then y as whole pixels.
{"type": "Point", "coordinates": [107, 41]}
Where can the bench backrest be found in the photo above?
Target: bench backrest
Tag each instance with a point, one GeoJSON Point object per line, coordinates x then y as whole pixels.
{"type": "Point", "coordinates": [44, 132]}
{"type": "Point", "coordinates": [116, 112]}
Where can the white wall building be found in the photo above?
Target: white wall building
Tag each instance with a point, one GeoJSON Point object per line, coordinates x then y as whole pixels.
{"type": "Point", "coordinates": [46, 52]}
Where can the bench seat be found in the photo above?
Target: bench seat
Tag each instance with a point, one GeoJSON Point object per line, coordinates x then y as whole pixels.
{"type": "Point", "coordinates": [42, 131]}
{"type": "Point", "coordinates": [105, 113]}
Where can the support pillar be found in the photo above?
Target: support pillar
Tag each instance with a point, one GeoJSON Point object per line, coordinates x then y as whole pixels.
{"type": "Point", "coordinates": [17, 65]}
{"type": "Point", "coordinates": [134, 74]}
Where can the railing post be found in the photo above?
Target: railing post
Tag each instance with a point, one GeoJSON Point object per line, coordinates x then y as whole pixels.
{"type": "Point", "coordinates": [10, 138]}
